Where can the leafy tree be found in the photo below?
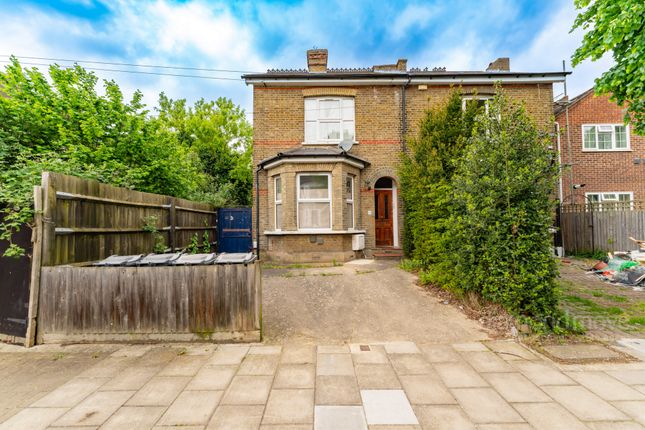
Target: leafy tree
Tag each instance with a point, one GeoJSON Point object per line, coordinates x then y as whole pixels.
{"type": "Point", "coordinates": [426, 173]}
{"type": "Point", "coordinates": [501, 214]}
{"type": "Point", "coordinates": [63, 125]}
{"type": "Point", "coordinates": [617, 26]}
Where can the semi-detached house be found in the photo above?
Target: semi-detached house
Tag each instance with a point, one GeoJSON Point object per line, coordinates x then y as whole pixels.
{"type": "Point", "coordinates": [327, 143]}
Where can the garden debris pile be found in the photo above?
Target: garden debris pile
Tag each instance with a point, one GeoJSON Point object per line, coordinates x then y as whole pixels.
{"type": "Point", "coordinates": [626, 268]}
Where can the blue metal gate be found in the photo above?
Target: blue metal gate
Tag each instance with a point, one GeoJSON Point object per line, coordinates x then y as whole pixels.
{"type": "Point", "coordinates": [234, 230]}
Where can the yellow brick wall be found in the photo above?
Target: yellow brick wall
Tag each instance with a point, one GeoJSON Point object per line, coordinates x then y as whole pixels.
{"type": "Point", "coordinates": [279, 125]}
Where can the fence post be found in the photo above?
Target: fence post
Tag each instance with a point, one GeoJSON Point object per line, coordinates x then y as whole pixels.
{"type": "Point", "coordinates": [172, 220]}
{"type": "Point", "coordinates": [36, 261]}
{"type": "Point", "coordinates": [48, 222]}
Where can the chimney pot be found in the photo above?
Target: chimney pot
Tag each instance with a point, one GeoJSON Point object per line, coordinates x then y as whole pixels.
{"type": "Point", "coordinates": [317, 60]}
{"type": "Point", "coordinates": [501, 64]}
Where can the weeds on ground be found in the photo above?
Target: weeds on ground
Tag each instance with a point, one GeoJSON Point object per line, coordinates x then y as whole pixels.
{"type": "Point", "coordinates": [410, 265]}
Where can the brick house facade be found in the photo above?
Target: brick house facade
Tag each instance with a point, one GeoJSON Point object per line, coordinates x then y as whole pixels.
{"type": "Point", "coordinates": [608, 163]}
{"type": "Point", "coordinates": [312, 196]}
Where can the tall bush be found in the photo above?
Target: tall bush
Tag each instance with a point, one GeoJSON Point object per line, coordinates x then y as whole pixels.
{"type": "Point", "coordinates": [500, 244]}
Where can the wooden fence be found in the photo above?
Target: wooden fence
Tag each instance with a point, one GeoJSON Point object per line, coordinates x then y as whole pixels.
{"type": "Point", "coordinates": [170, 303]}
{"type": "Point", "coordinates": [85, 220]}
{"type": "Point", "coordinates": [602, 227]}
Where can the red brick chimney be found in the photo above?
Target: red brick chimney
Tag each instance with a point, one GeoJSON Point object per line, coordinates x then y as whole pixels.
{"type": "Point", "coordinates": [317, 60]}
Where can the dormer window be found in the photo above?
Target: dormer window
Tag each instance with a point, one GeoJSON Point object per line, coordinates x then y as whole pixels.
{"type": "Point", "coordinates": [329, 120]}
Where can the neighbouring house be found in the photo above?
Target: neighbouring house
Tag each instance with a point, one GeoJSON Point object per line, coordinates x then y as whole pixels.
{"type": "Point", "coordinates": [603, 161]}
{"type": "Point", "coordinates": [327, 143]}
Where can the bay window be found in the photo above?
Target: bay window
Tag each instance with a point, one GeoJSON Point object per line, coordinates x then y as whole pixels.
{"type": "Point", "coordinates": [278, 203]}
{"type": "Point", "coordinates": [329, 120]}
{"type": "Point", "coordinates": [349, 200]}
{"type": "Point", "coordinates": [314, 201]}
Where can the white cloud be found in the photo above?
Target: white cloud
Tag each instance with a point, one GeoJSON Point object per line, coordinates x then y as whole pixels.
{"type": "Point", "coordinates": [412, 16]}
{"type": "Point", "coordinates": [554, 44]}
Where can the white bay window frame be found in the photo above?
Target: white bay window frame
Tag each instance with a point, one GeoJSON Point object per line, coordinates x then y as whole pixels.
{"type": "Point", "coordinates": [596, 130]}
{"type": "Point", "coordinates": [321, 115]}
{"type": "Point", "coordinates": [277, 185]}
{"type": "Point", "coordinates": [305, 200]}
{"type": "Point", "coordinates": [349, 200]}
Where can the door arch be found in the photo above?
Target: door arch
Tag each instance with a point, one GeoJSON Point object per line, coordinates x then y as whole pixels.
{"type": "Point", "coordinates": [386, 225]}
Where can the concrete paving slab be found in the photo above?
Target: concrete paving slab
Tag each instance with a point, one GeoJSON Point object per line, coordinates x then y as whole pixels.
{"type": "Point", "coordinates": [337, 390]}
{"type": "Point", "coordinates": [131, 378]}
{"type": "Point", "coordinates": [289, 407]}
{"type": "Point", "coordinates": [486, 361]}
{"type": "Point", "coordinates": [505, 426]}
{"type": "Point", "coordinates": [248, 390]}
{"type": "Point", "coordinates": [440, 353]}
{"type": "Point", "coordinates": [265, 350]}
{"type": "Point", "coordinates": [376, 376]}
{"type": "Point", "coordinates": [605, 386]}
{"type": "Point", "coordinates": [640, 388]}
{"type": "Point", "coordinates": [134, 417]}
{"type": "Point", "coordinates": [295, 376]}
{"type": "Point", "coordinates": [339, 417]}
{"type": "Point", "coordinates": [614, 425]}
{"type": "Point", "coordinates": [484, 405]}
{"type": "Point", "coordinates": [228, 354]}
{"type": "Point", "coordinates": [387, 407]}
{"type": "Point", "coordinates": [426, 390]}
{"type": "Point", "coordinates": [33, 419]}
{"type": "Point", "coordinates": [542, 374]}
{"type": "Point", "coordinates": [259, 364]}
{"type": "Point", "coordinates": [584, 404]}
{"type": "Point", "coordinates": [176, 428]}
{"type": "Point", "coordinates": [71, 393]}
{"type": "Point", "coordinates": [184, 365]}
{"type": "Point", "coordinates": [212, 378]}
{"type": "Point", "coordinates": [581, 351]}
{"type": "Point", "coordinates": [511, 350]}
{"type": "Point", "coordinates": [411, 364]}
{"type": "Point", "coordinates": [95, 409]}
{"type": "Point", "coordinates": [286, 427]}
{"type": "Point", "coordinates": [375, 355]}
{"type": "Point", "coordinates": [108, 367]}
{"type": "Point", "coordinates": [469, 347]}
{"type": "Point", "coordinates": [236, 417]}
{"type": "Point", "coordinates": [131, 351]}
{"type": "Point", "coordinates": [401, 348]}
{"type": "Point", "coordinates": [459, 375]}
{"type": "Point", "coordinates": [636, 410]}
{"type": "Point", "coordinates": [298, 354]}
{"type": "Point", "coordinates": [549, 416]}
{"type": "Point", "coordinates": [442, 417]}
{"type": "Point", "coordinates": [333, 349]}
{"type": "Point", "coordinates": [196, 348]}
{"type": "Point", "coordinates": [409, 427]}
{"type": "Point", "coordinates": [629, 377]}
{"type": "Point", "coordinates": [191, 408]}
{"type": "Point", "coordinates": [334, 364]}
{"type": "Point", "coordinates": [159, 391]}
{"type": "Point", "coordinates": [515, 387]}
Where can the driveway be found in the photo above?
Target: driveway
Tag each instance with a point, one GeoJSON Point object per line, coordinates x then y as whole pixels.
{"type": "Point", "coordinates": [360, 301]}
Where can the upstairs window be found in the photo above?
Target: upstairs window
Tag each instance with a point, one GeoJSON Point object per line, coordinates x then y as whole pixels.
{"type": "Point", "coordinates": [610, 200]}
{"type": "Point", "coordinates": [605, 137]}
{"type": "Point", "coordinates": [329, 120]}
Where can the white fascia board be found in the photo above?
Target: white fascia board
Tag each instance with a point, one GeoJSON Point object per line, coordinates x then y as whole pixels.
{"type": "Point", "coordinates": [473, 80]}
{"type": "Point", "coordinates": [314, 160]}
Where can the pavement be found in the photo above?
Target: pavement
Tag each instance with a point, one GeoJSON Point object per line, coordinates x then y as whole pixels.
{"type": "Point", "coordinates": [397, 385]}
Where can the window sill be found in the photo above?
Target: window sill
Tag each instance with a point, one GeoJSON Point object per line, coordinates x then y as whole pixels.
{"type": "Point", "coordinates": [325, 143]}
{"type": "Point", "coordinates": [607, 150]}
{"type": "Point", "coordinates": [310, 232]}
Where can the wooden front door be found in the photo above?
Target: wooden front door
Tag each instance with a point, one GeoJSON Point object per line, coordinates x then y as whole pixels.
{"type": "Point", "coordinates": [384, 217]}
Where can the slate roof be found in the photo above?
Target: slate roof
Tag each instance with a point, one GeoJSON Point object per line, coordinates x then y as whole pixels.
{"type": "Point", "coordinates": [313, 152]}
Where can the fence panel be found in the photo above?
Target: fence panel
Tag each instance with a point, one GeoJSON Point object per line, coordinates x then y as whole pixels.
{"type": "Point", "coordinates": [85, 220]}
{"type": "Point", "coordinates": [611, 228]}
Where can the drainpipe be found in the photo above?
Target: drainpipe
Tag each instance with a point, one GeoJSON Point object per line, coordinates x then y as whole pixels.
{"type": "Point", "coordinates": [404, 122]}
{"type": "Point", "coordinates": [257, 211]}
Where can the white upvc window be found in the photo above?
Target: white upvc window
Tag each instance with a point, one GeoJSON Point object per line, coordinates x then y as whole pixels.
{"type": "Point", "coordinates": [329, 120]}
{"type": "Point", "coordinates": [349, 200]}
{"type": "Point", "coordinates": [609, 200]}
{"type": "Point", "coordinates": [278, 202]}
{"type": "Point", "coordinates": [314, 201]}
{"type": "Point", "coordinates": [605, 137]}
{"type": "Point", "coordinates": [481, 101]}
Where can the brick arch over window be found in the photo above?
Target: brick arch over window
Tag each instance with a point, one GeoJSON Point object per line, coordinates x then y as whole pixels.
{"type": "Point", "coordinates": [380, 172]}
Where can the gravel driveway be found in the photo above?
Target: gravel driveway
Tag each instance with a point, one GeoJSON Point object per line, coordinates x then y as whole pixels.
{"type": "Point", "coordinates": [361, 301]}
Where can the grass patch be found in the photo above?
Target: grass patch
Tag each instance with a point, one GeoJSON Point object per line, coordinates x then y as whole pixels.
{"type": "Point", "coordinates": [612, 297]}
{"type": "Point", "coordinates": [410, 265]}
{"type": "Point", "coordinates": [591, 306]}
{"type": "Point", "coordinates": [636, 321]}
{"type": "Point", "coordinates": [363, 272]}
{"type": "Point", "coordinates": [330, 274]}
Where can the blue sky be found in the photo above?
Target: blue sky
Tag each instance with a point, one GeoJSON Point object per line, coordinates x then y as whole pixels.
{"type": "Point", "coordinates": [256, 35]}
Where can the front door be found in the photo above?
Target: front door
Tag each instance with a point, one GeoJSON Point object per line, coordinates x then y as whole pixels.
{"type": "Point", "coordinates": [383, 216]}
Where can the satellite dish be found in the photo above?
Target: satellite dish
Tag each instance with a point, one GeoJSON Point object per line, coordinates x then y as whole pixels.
{"type": "Point", "coordinates": [346, 145]}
